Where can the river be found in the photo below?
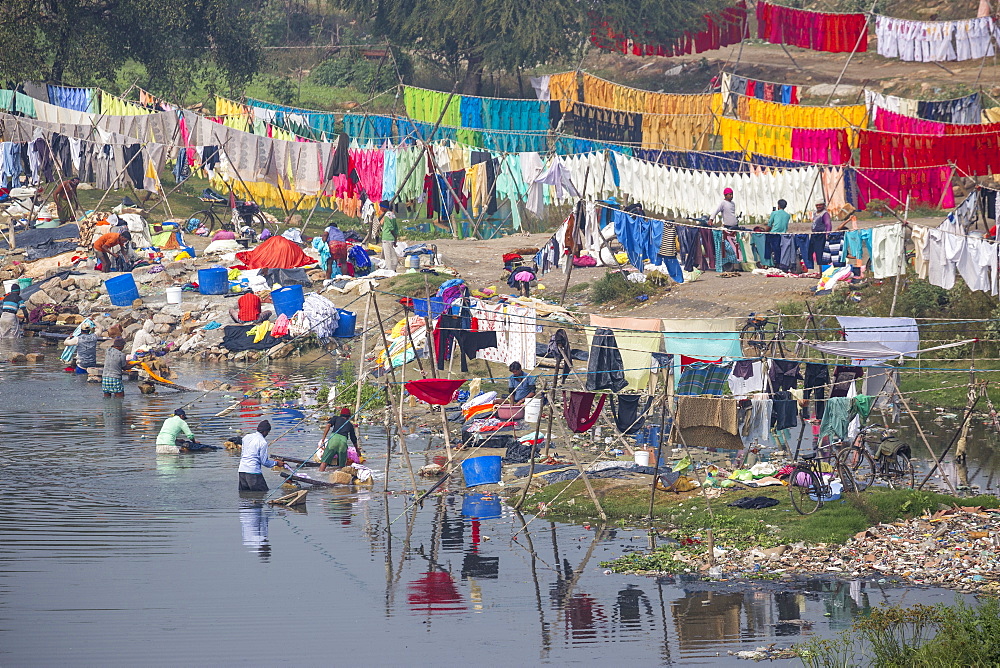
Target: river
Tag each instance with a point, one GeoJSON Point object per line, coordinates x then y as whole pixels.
{"type": "Point", "coordinates": [113, 555]}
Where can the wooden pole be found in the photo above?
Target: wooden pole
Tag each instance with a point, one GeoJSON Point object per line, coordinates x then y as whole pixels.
{"type": "Point", "coordinates": [659, 451]}
{"type": "Point", "coordinates": [392, 373]}
{"type": "Point", "coordinates": [938, 460]}
{"type": "Point", "coordinates": [923, 437]}
{"type": "Point", "coordinates": [531, 464]}
{"type": "Point", "coordinates": [901, 269]}
{"type": "Point", "coordinates": [447, 434]}
{"type": "Point", "coordinates": [857, 45]}
{"type": "Point", "coordinates": [586, 482]}
{"type": "Point", "coordinates": [361, 359]}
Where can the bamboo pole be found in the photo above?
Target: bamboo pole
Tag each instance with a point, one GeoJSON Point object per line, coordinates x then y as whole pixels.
{"type": "Point", "coordinates": [392, 373]}
{"type": "Point", "coordinates": [361, 358]}
{"type": "Point", "coordinates": [531, 464]}
{"type": "Point", "coordinates": [938, 460]}
{"type": "Point", "coordinates": [923, 437]}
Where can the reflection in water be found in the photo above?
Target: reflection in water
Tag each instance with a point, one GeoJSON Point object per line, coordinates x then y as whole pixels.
{"type": "Point", "coordinates": [253, 522]}
{"type": "Point", "coordinates": [99, 560]}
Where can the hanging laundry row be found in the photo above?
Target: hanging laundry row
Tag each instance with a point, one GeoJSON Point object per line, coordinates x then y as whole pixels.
{"type": "Point", "coordinates": [836, 33]}
{"type": "Point", "coordinates": [723, 28]}
{"type": "Point", "coordinates": [610, 95]}
{"type": "Point", "coordinates": [964, 110]}
{"type": "Point", "coordinates": [800, 116]}
{"type": "Point", "coordinates": [972, 154]}
{"type": "Point", "coordinates": [935, 41]}
{"type": "Point", "coordinates": [825, 146]}
{"type": "Point", "coordinates": [942, 251]}
{"type": "Point", "coordinates": [732, 87]}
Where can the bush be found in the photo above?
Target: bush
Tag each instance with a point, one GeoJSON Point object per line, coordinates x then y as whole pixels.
{"type": "Point", "coordinates": [613, 287]}
{"type": "Point", "coordinates": [350, 68]}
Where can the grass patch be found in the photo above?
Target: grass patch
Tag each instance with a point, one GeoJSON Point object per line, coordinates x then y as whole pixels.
{"type": "Point", "coordinates": [612, 287]}
{"type": "Point", "coordinates": [915, 636]}
{"type": "Point", "coordinates": [414, 285]}
{"type": "Point", "coordinates": [685, 516]}
{"type": "Point", "coordinates": [579, 287]}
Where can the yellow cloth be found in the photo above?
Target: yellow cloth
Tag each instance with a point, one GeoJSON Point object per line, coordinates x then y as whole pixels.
{"type": "Point", "coordinates": [116, 106]}
{"type": "Point", "coordinates": [224, 107]}
{"type": "Point", "coordinates": [991, 115]}
{"type": "Point", "coordinates": [564, 87]}
{"type": "Point", "coordinates": [749, 137]}
{"type": "Point", "coordinates": [636, 347]}
{"type": "Point", "coordinates": [260, 331]}
{"type": "Point", "coordinates": [799, 116]}
{"type": "Point", "coordinates": [602, 93]}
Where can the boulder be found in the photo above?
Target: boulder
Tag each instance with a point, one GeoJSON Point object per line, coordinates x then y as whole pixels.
{"type": "Point", "coordinates": [67, 283]}
{"type": "Point", "coordinates": [34, 358]}
{"type": "Point", "coordinates": [39, 298]}
{"type": "Point", "coordinates": [17, 358]}
{"type": "Point", "coordinates": [165, 319]}
{"type": "Point", "coordinates": [131, 329]}
{"type": "Point", "coordinates": [177, 269]}
{"type": "Point", "coordinates": [57, 294]}
{"type": "Point", "coordinates": [88, 282]}
{"type": "Point", "coordinates": [163, 329]}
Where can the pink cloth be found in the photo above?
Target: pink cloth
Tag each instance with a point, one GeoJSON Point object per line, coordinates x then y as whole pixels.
{"type": "Point", "coordinates": [821, 146]}
{"type": "Point", "coordinates": [524, 276]}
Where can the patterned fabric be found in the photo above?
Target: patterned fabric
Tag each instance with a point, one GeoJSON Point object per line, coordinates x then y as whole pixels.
{"type": "Point", "coordinates": [112, 385]}
{"type": "Point", "coordinates": [704, 378]}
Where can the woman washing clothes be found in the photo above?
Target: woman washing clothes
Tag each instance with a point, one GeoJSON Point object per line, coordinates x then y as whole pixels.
{"type": "Point", "coordinates": [336, 444]}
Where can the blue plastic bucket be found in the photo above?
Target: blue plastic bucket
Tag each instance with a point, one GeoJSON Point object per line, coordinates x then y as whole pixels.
{"type": "Point", "coordinates": [288, 300]}
{"type": "Point", "coordinates": [25, 282]}
{"type": "Point", "coordinates": [214, 281]}
{"type": "Point", "coordinates": [481, 506]}
{"type": "Point", "coordinates": [122, 290]}
{"type": "Point", "coordinates": [481, 470]}
{"type": "Point", "coordinates": [346, 324]}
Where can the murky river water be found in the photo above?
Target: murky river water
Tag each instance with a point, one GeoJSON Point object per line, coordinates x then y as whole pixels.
{"type": "Point", "coordinates": [112, 554]}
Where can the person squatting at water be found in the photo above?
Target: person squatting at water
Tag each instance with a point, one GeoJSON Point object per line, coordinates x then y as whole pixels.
{"type": "Point", "coordinates": [337, 444]}
{"type": "Point", "coordinates": [86, 347]}
{"type": "Point", "coordinates": [254, 457]}
{"type": "Point", "coordinates": [520, 384]}
{"type": "Point", "coordinates": [169, 440]}
{"type": "Point", "coordinates": [10, 326]}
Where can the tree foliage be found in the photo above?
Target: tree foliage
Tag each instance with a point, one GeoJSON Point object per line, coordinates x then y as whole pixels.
{"type": "Point", "coordinates": [502, 35]}
{"type": "Point", "coordinates": [84, 42]}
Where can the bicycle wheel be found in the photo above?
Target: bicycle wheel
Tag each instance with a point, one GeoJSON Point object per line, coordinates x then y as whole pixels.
{"type": "Point", "coordinates": [207, 218]}
{"type": "Point", "coordinates": [806, 499]}
{"type": "Point", "coordinates": [898, 471]}
{"type": "Point", "coordinates": [261, 220]}
{"type": "Point", "coordinates": [847, 479]}
{"type": "Point", "coordinates": [860, 464]}
{"type": "Point", "coordinates": [753, 340]}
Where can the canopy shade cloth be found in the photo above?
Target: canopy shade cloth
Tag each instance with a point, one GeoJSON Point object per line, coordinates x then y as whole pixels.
{"type": "Point", "coordinates": [437, 391]}
{"type": "Point", "coordinates": [275, 253]}
{"type": "Point", "coordinates": [869, 350]}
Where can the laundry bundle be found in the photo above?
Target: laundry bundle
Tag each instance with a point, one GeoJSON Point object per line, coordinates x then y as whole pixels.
{"type": "Point", "coordinates": [819, 31]}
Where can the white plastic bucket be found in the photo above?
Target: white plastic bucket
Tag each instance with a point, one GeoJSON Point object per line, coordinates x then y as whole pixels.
{"type": "Point", "coordinates": [8, 284]}
{"type": "Point", "coordinates": [642, 458]}
{"type": "Point", "coordinates": [174, 295]}
{"type": "Point", "coordinates": [532, 410]}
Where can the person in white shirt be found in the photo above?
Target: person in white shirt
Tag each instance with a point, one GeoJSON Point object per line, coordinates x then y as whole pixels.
{"type": "Point", "coordinates": [254, 456]}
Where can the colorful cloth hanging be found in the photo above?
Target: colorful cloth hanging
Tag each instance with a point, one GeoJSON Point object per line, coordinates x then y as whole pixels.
{"type": "Point", "coordinates": [436, 391]}
{"type": "Point", "coordinates": [836, 33]}
{"type": "Point", "coordinates": [723, 28]}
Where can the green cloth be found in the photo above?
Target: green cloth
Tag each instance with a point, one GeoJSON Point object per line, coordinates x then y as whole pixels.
{"type": "Point", "coordinates": [390, 228]}
{"type": "Point", "coordinates": [778, 222]}
{"type": "Point", "coordinates": [837, 416]}
{"type": "Point", "coordinates": [863, 402]}
{"type": "Point", "coordinates": [172, 429]}
{"type": "Point", "coordinates": [336, 446]}
{"type": "Point", "coordinates": [426, 105]}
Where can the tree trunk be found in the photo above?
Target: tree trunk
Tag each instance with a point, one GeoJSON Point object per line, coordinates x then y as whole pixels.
{"type": "Point", "coordinates": [473, 82]}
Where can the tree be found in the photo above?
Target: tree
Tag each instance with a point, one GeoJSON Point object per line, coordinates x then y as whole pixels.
{"type": "Point", "coordinates": [83, 42]}
{"type": "Point", "coordinates": [469, 38]}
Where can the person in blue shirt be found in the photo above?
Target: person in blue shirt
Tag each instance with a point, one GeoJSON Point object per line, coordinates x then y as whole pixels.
{"type": "Point", "coordinates": [520, 384]}
{"type": "Point", "coordinates": [778, 222]}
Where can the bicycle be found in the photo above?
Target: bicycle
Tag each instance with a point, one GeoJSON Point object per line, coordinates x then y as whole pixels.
{"type": "Point", "coordinates": [249, 213]}
{"type": "Point", "coordinates": [887, 460]}
{"type": "Point", "coordinates": [809, 486]}
{"type": "Point", "coordinates": [759, 335]}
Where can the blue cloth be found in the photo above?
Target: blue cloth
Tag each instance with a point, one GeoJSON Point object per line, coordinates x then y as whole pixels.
{"type": "Point", "coordinates": [368, 127]}
{"type": "Point", "coordinates": [471, 109]}
{"type": "Point", "coordinates": [436, 308]}
{"type": "Point", "coordinates": [639, 236]}
{"type": "Point", "coordinates": [10, 164]}
{"type": "Point", "coordinates": [856, 242]}
{"type": "Point", "coordinates": [78, 99]}
{"type": "Point", "coordinates": [704, 378]}
{"type": "Point", "coordinates": [673, 268]}
{"type": "Point", "coordinates": [802, 248]}
{"type": "Point", "coordinates": [389, 175]}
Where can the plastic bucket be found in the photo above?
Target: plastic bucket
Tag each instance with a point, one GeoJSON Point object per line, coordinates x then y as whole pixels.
{"type": "Point", "coordinates": [122, 290]}
{"type": "Point", "coordinates": [482, 506]}
{"type": "Point", "coordinates": [532, 410]}
{"type": "Point", "coordinates": [7, 285]}
{"type": "Point", "coordinates": [24, 282]}
{"type": "Point", "coordinates": [213, 281]}
{"type": "Point", "coordinates": [642, 458]}
{"type": "Point", "coordinates": [289, 300]}
{"type": "Point", "coordinates": [481, 470]}
{"type": "Point", "coordinates": [175, 295]}
{"type": "Point", "coordinates": [509, 412]}
{"type": "Point", "coordinates": [346, 324]}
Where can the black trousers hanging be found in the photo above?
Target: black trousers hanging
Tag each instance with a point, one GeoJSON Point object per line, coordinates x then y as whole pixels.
{"type": "Point", "coordinates": [630, 414]}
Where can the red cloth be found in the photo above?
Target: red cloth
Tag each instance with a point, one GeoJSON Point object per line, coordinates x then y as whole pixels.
{"type": "Point", "coordinates": [723, 28]}
{"type": "Point", "coordinates": [437, 391]}
{"type": "Point", "coordinates": [836, 33]}
{"type": "Point", "coordinates": [577, 409]}
{"type": "Point", "coordinates": [249, 307]}
{"type": "Point", "coordinates": [275, 253]}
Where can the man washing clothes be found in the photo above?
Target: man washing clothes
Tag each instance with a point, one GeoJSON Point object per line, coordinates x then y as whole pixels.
{"type": "Point", "coordinates": [521, 386]}
{"type": "Point", "coordinates": [253, 457]}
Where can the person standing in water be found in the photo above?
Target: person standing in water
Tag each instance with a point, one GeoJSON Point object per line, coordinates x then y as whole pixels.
{"type": "Point", "coordinates": [254, 457]}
